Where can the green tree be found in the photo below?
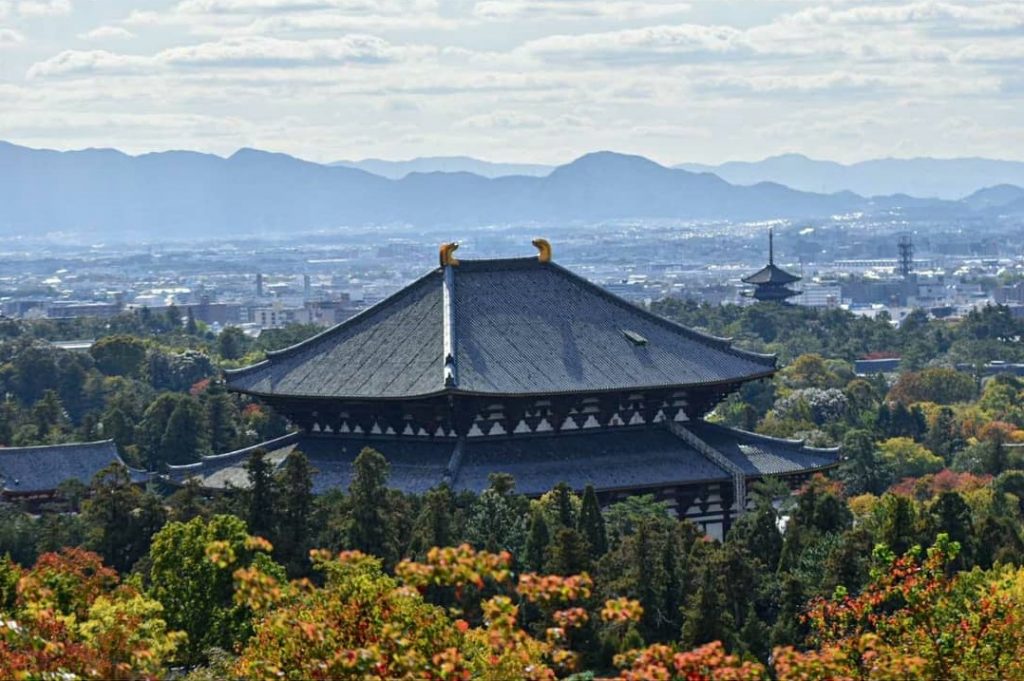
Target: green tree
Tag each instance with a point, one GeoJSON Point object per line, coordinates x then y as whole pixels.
{"type": "Point", "coordinates": [185, 438]}
{"type": "Point", "coordinates": [592, 523]}
{"type": "Point", "coordinates": [232, 343]}
{"type": "Point", "coordinates": [706, 617]}
{"type": "Point", "coordinates": [222, 417]}
{"type": "Point", "coordinates": [434, 524]}
{"type": "Point", "coordinates": [862, 469]}
{"type": "Point", "coordinates": [568, 553]}
{"type": "Point", "coordinates": [260, 495]}
{"type": "Point", "coordinates": [902, 457]}
{"type": "Point", "coordinates": [537, 541]}
{"type": "Point", "coordinates": [196, 594]}
{"type": "Point", "coordinates": [119, 517]}
{"type": "Point", "coordinates": [370, 527]}
{"type": "Point", "coordinates": [119, 355]}
{"type": "Point", "coordinates": [191, 328]}
{"type": "Point", "coordinates": [497, 518]}
{"type": "Point", "coordinates": [295, 507]}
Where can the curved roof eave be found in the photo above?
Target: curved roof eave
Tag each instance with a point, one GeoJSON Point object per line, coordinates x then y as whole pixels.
{"type": "Point", "coordinates": [479, 393]}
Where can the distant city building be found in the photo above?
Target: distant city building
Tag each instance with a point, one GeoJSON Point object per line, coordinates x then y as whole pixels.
{"type": "Point", "coordinates": [771, 283]}
{"type": "Point", "coordinates": [820, 295]}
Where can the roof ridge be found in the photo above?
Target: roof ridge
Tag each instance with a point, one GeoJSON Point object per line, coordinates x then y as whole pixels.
{"type": "Point", "coordinates": [327, 333]}
{"type": "Point", "coordinates": [449, 370]}
{"type": "Point", "coordinates": [91, 443]}
{"type": "Point", "coordinates": [800, 442]}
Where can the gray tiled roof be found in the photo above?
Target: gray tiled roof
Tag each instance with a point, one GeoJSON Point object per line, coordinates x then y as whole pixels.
{"type": "Point", "coordinates": [771, 274]}
{"type": "Point", "coordinates": [37, 470]}
{"type": "Point", "coordinates": [760, 455]}
{"type": "Point", "coordinates": [228, 470]}
{"type": "Point", "coordinates": [610, 459]}
{"type": "Point", "coordinates": [519, 327]}
{"type": "Point", "coordinates": [415, 465]}
{"type": "Point", "coordinates": [613, 459]}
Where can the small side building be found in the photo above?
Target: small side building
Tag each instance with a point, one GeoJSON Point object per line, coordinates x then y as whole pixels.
{"type": "Point", "coordinates": [35, 473]}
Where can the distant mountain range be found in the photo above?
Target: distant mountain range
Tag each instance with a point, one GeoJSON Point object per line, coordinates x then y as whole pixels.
{"type": "Point", "coordinates": [952, 178]}
{"type": "Point", "coordinates": [396, 170]}
{"type": "Point", "coordinates": [104, 193]}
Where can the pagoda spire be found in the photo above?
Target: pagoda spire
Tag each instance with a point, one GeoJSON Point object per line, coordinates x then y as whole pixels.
{"type": "Point", "coordinates": [771, 282]}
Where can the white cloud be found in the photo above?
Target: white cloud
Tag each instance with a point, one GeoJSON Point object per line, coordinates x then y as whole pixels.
{"type": "Point", "coordinates": [642, 45]}
{"type": "Point", "coordinates": [43, 8]}
{"type": "Point", "coordinates": [78, 62]}
{"type": "Point", "coordinates": [244, 52]}
{"type": "Point", "coordinates": [9, 38]}
{"type": "Point", "coordinates": [265, 6]}
{"type": "Point", "coordinates": [505, 10]}
{"type": "Point", "coordinates": [102, 33]}
{"type": "Point", "coordinates": [256, 51]}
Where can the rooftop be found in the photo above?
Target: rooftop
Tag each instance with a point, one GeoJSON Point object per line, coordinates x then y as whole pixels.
{"type": "Point", "coordinates": [521, 326]}
{"type": "Point", "coordinates": [41, 469]}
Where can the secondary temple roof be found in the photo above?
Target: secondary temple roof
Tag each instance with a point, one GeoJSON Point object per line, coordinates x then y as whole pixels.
{"type": "Point", "coordinates": [41, 469]}
{"type": "Point", "coordinates": [521, 326]}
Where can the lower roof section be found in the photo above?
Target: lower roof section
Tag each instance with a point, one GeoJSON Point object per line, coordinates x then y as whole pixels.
{"type": "Point", "coordinates": [620, 459]}
{"type": "Point", "coordinates": [42, 469]}
{"type": "Point", "coordinates": [760, 455]}
{"type": "Point", "coordinates": [614, 459]}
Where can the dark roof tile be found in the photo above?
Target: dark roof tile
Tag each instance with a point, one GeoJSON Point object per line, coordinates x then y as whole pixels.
{"type": "Point", "coordinates": [37, 470]}
{"type": "Point", "coordinates": [519, 327]}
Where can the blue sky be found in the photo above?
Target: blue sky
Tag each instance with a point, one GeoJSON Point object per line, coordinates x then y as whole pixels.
{"type": "Point", "coordinates": [517, 80]}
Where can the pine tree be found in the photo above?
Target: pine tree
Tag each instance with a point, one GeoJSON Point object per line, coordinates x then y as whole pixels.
{"type": "Point", "coordinates": [369, 530]}
{"type": "Point", "coordinates": [592, 523]}
{"type": "Point", "coordinates": [433, 525]}
{"type": "Point", "coordinates": [191, 328]}
{"type": "Point", "coordinates": [673, 595]}
{"type": "Point", "coordinates": [568, 553]}
{"type": "Point", "coordinates": [537, 541]}
{"type": "Point", "coordinates": [564, 514]}
{"type": "Point", "coordinates": [260, 515]}
{"type": "Point", "coordinates": [222, 417]}
{"type": "Point", "coordinates": [295, 495]}
{"type": "Point", "coordinates": [185, 438]}
{"type": "Point", "coordinates": [646, 574]}
{"type": "Point", "coordinates": [705, 618]}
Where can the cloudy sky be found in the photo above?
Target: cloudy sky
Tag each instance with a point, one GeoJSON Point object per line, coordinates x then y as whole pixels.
{"type": "Point", "coordinates": [517, 80]}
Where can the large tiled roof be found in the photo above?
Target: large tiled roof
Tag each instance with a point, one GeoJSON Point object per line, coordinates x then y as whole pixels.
{"type": "Point", "coordinates": [759, 455]}
{"type": "Point", "coordinates": [41, 469]}
{"type": "Point", "coordinates": [517, 326]}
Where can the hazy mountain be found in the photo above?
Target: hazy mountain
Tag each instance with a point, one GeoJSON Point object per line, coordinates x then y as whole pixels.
{"type": "Point", "coordinates": [396, 170]}
{"type": "Point", "coordinates": [995, 198]}
{"type": "Point", "coordinates": [922, 177]}
{"type": "Point", "coordinates": [179, 194]}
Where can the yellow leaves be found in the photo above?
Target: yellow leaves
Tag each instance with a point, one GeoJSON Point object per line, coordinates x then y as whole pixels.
{"type": "Point", "coordinates": [621, 610]}
{"type": "Point", "coordinates": [221, 554]}
{"type": "Point", "coordinates": [456, 566]}
{"type": "Point", "coordinates": [256, 589]}
{"type": "Point", "coordinates": [258, 544]}
{"type": "Point", "coordinates": [554, 589]}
